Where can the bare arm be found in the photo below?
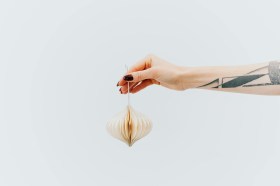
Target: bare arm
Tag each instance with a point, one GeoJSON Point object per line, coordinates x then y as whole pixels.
{"type": "Point", "coordinates": [262, 78]}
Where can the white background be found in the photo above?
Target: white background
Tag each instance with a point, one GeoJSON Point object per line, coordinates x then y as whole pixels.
{"type": "Point", "coordinates": [59, 65]}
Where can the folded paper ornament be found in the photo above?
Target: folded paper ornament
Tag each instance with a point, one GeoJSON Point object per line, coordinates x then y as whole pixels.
{"type": "Point", "coordinates": [129, 125]}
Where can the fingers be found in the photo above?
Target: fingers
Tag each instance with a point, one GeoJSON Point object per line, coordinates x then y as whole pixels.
{"type": "Point", "coordinates": [141, 86]}
{"type": "Point", "coordinates": [139, 66]}
{"type": "Point", "coordinates": [140, 75]}
{"type": "Point", "coordinates": [124, 88]}
{"type": "Point", "coordinates": [136, 87]}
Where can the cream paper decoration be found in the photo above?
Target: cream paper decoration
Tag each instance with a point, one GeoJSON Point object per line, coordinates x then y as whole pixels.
{"type": "Point", "coordinates": [129, 125]}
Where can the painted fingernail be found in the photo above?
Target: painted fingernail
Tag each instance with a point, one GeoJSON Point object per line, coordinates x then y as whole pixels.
{"type": "Point", "coordinates": [117, 84]}
{"type": "Point", "coordinates": [128, 77]}
{"type": "Point", "coordinates": [120, 90]}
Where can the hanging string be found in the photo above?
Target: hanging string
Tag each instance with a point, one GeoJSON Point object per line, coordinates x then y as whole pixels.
{"type": "Point", "coordinates": [128, 86]}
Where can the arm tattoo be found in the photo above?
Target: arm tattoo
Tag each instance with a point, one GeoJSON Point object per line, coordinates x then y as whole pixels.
{"type": "Point", "coordinates": [267, 75]}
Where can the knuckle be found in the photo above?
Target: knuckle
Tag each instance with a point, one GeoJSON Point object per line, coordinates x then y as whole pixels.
{"type": "Point", "coordinates": [150, 57]}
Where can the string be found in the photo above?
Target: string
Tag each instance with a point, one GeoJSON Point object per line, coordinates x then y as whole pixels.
{"type": "Point", "coordinates": [128, 97]}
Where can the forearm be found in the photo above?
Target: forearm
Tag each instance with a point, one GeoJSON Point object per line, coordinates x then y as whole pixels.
{"type": "Point", "coordinates": [263, 78]}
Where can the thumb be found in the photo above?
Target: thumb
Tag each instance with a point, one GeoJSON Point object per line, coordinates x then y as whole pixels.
{"type": "Point", "coordinates": [139, 75]}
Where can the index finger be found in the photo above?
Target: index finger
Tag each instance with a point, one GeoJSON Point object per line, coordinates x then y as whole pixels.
{"type": "Point", "coordinates": [140, 65]}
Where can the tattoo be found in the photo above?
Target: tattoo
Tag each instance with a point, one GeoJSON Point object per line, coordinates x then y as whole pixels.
{"type": "Point", "coordinates": [268, 75]}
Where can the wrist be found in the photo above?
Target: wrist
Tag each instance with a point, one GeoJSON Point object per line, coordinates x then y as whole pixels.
{"type": "Point", "coordinates": [188, 77]}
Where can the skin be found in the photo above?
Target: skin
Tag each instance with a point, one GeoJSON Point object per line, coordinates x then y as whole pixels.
{"type": "Point", "coordinates": [261, 78]}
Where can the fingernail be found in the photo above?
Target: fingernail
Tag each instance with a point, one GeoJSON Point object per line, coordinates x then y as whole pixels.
{"type": "Point", "coordinates": [128, 77]}
{"type": "Point", "coordinates": [117, 84]}
{"type": "Point", "coordinates": [120, 90]}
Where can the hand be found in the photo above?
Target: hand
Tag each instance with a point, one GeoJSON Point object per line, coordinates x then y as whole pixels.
{"type": "Point", "coordinates": [151, 70]}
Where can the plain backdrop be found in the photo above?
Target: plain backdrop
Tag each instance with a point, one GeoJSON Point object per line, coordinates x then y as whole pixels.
{"type": "Point", "coordinates": [60, 61]}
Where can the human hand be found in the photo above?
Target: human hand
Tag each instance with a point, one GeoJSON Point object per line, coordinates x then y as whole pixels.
{"type": "Point", "coordinates": [152, 70]}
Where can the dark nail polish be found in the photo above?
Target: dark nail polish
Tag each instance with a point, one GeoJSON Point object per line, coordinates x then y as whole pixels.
{"type": "Point", "coordinates": [128, 77]}
{"type": "Point", "coordinates": [117, 84]}
{"type": "Point", "coordinates": [120, 90]}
